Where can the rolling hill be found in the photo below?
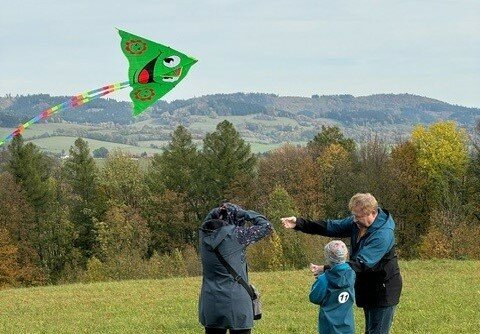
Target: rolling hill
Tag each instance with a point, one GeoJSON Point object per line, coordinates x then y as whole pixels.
{"type": "Point", "coordinates": [264, 120]}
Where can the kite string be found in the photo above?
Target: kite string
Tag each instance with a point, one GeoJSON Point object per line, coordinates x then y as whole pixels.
{"type": "Point", "coordinates": [75, 101]}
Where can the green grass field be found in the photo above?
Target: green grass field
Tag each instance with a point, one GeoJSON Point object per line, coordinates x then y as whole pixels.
{"type": "Point", "coordinates": [438, 297]}
{"type": "Point", "coordinates": [41, 128]}
{"type": "Point", "coordinates": [58, 143]}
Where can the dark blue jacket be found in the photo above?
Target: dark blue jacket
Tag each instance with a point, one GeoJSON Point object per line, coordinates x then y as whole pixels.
{"type": "Point", "coordinates": [373, 257]}
{"type": "Point", "coordinates": [224, 303]}
{"type": "Point", "coordinates": [334, 292]}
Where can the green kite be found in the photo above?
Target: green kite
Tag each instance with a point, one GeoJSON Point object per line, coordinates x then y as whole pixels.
{"type": "Point", "coordinates": [154, 70]}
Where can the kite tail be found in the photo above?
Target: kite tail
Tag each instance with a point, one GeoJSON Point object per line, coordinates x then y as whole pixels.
{"type": "Point", "coordinates": [73, 102]}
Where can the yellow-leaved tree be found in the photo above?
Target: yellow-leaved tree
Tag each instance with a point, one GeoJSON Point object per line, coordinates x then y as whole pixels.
{"type": "Point", "coordinates": [443, 158]}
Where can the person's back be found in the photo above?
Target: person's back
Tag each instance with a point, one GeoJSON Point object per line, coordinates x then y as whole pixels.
{"type": "Point", "coordinates": [334, 292]}
{"type": "Point", "coordinates": [224, 303]}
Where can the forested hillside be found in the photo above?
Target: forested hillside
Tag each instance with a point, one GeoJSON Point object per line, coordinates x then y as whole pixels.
{"type": "Point", "coordinates": [263, 120]}
{"type": "Point", "coordinates": [346, 109]}
{"type": "Point", "coordinates": [71, 219]}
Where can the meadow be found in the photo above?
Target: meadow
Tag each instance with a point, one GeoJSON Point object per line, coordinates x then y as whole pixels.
{"type": "Point", "coordinates": [61, 143]}
{"type": "Point", "coordinates": [439, 296]}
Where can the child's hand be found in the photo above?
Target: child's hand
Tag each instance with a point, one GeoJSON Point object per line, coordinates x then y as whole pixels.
{"type": "Point", "coordinates": [316, 269]}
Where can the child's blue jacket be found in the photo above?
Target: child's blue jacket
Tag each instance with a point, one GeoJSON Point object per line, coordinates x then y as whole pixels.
{"type": "Point", "coordinates": [334, 292]}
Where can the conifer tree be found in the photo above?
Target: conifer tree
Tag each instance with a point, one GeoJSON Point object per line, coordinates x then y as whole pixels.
{"type": "Point", "coordinates": [329, 135]}
{"type": "Point", "coordinates": [226, 159]}
{"type": "Point", "coordinates": [174, 182]}
{"type": "Point", "coordinates": [31, 169]}
{"type": "Point", "coordinates": [35, 173]}
{"type": "Point", "coordinates": [179, 162]}
{"type": "Point", "coordinates": [177, 169]}
{"type": "Point", "coordinates": [82, 175]}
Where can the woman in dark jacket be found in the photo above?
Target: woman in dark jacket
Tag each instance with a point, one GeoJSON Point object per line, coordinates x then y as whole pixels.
{"type": "Point", "coordinates": [224, 302]}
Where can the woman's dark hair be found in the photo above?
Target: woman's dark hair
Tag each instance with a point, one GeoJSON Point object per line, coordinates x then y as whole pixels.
{"type": "Point", "coordinates": [213, 224]}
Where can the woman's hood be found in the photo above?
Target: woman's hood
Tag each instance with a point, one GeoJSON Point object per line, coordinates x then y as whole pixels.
{"type": "Point", "coordinates": [213, 238]}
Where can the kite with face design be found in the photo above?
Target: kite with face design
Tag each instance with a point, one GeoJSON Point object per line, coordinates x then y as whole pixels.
{"type": "Point", "coordinates": [154, 70]}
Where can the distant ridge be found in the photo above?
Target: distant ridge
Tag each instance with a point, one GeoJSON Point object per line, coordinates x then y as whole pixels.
{"type": "Point", "coordinates": [386, 109]}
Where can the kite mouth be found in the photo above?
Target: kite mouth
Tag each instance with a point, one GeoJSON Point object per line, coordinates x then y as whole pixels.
{"type": "Point", "coordinates": [173, 76]}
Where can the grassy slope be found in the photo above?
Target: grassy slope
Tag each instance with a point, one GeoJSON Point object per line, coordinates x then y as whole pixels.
{"type": "Point", "coordinates": [438, 297]}
{"type": "Point", "coordinates": [203, 124]}
{"type": "Point", "coordinates": [59, 143]}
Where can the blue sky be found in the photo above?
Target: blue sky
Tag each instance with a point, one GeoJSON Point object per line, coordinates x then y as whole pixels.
{"type": "Point", "coordinates": [293, 48]}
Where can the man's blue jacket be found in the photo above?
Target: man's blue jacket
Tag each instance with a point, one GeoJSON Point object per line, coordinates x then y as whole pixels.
{"type": "Point", "coordinates": [373, 257]}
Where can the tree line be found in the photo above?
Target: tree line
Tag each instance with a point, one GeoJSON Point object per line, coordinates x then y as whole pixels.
{"type": "Point", "coordinates": [71, 220]}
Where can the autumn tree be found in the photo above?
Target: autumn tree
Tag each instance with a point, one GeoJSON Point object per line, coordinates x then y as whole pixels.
{"type": "Point", "coordinates": [16, 213]}
{"type": "Point", "coordinates": [123, 238]}
{"type": "Point", "coordinates": [122, 180]}
{"type": "Point", "coordinates": [9, 266]}
{"type": "Point", "coordinates": [443, 158]}
{"type": "Point", "coordinates": [170, 228]}
{"type": "Point", "coordinates": [405, 195]}
{"type": "Point", "coordinates": [473, 174]}
{"type": "Point", "coordinates": [338, 182]}
{"type": "Point", "coordinates": [294, 170]}
{"type": "Point", "coordinates": [123, 231]}
{"type": "Point", "coordinates": [373, 157]}
{"type": "Point", "coordinates": [282, 205]}
{"type": "Point", "coordinates": [267, 255]}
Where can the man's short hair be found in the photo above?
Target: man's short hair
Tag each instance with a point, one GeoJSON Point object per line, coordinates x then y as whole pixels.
{"type": "Point", "coordinates": [364, 202]}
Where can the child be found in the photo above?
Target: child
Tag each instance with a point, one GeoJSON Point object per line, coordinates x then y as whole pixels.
{"type": "Point", "coordinates": [333, 291]}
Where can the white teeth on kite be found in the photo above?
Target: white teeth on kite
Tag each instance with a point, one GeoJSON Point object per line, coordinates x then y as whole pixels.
{"type": "Point", "coordinates": [169, 79]}
{"type": "Point", "coordinates": [172, 78]}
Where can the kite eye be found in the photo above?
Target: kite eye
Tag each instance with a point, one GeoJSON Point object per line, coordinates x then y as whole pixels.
{"type": "Point", "coordinates": [171, 61]}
